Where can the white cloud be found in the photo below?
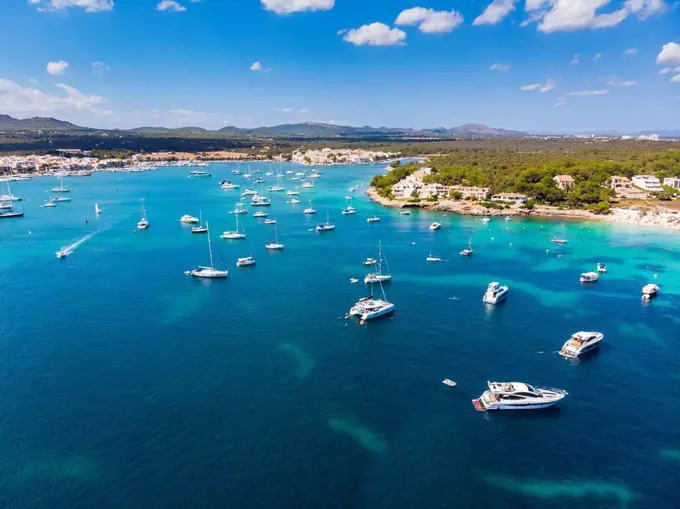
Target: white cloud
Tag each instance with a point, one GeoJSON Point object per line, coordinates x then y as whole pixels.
{"type": "Point", "coordinates": [15, 98]}
{"type": "Point", "coordinates": [99, 68]}
{"type": "Point", "coordinates": [287, 109]}
{"type": "Point", "coordinates": [290, 6]}
{"type": "Point", "coordinates": [670, 54]}
{"type": "Point", "coordinates": [616, 82]}
{"type": "Point", "coordinates": [566, 15]}
{"type": "Point", "coordinates": [495, 12]}
{"type": "Point", "coordinates": [598, 56]}
{"type": "Point", "coordinates": [500, 67]}
{"type": "Point", "coordinates": [630, 51]}
{"type": "Point", "coordinates": [669, 70]}
{"type": "Point", "coordinates": [257, 67]}
{"type": "Point", "coordinates": [575, 60]}
{"type": "Point", "coordinates": [375, 34]}
{"type": "Point", "coordinates": [541, 87]}
{"type": "Point", "coordinates": [587, 93]}
{"type": "Point", "coordinates": [675, 79]}
{"type": "Point", "coordinates": [561, 101]}
{"type": "Point", "coordinates": [170, 6]}
{"type": "Point", "coordinates": [304, 110]}
{"type": "Point", "coordinates": [57, 68]}
{"type": "Point", "coordinates": [87, 5]}
{"type": "Point", "coordinates": [32, 81]}
{"type": "Point", "coordinates": [429, 21]}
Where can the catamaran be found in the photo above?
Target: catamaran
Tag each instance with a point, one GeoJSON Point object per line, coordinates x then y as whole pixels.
{"type": "Point", "coordinates": [325, 227]}
{"type": "Point", "coordinates": [276, 245]}
{"type": "Point", "coordinates": [61, 188]}
{"type": "Point", "coordinates": [208, 272]}
{"type": "Point", "coordinates": [143, 223]}
{"type": "Point", "coordinates": [369, 308]}
{"type": "Point", "coordinates": [379, 277]}
{"type": "Point", "coordinates": [235, 235]}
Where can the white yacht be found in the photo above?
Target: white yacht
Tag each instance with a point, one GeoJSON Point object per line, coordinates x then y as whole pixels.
{"type": "Point", "coordinates": [580, 343]}
{"type": "Point", "coordinates": [236, 172]}
{"type": "Point", "coordinates": [601, 268]}
{"type": "Point", "coordinates": [47, 204]}
{"type": "Point", "coordinates": [293, 193]}
{"type": "Point", "coordinates": [9, 197]}
{"type": "Point", "coordinates": [435, 226]}
{"type": "Point", "coordinates": [370, 261]}
{"type": "Point", "coordinates": [349, 210]}
{"type": "Point", "coordinates": [495, 293]}
{"type": "Point", "coordinates": [307, 184]}
{"type": "Point", "coordinates": [485, 220]}
{"type": "Point", "coordinates": [379, 276]}
{"type": "Point", "coordinates": [260, 213]}
{"type": "Point", "coordinates": [373, 219]}
{"type": "Point", "coordinates": [276, 245]}
{"type": "Point", "coordinates": [369, 308]}
{"type": "Point", "coordinates": [431, 258]}
{"type": "Point", "coordinates": [270, 221]}
{"type": "Point", "coordinates": [649, 291]}
{"type": "Point", "coordinates": [469, 251]}
{"type": "Point", "coordinates": [143, 223]}
{"type": "Point", "coordinates": [278, 187]}
{"type": "Point", "coordinates": [295, 201]}
{"type": "Point", "coordinates": [258, 180]}
{"type": "Point", "coordinates": [325, 227]}
{"type": "Point", "coordinates": [6, 205]}
{"type": "Point", "coordinates": [208, 272]}
{"type": "Point", "coordinates": [247, 261]}
{"type": "Point", "coordinates": [268, 174]}
{"type": "Point", "coordinates": [260, 201]}
{"type": "Point", "coordinates": [187, 219]}
{"type": "Point", "coordinates": [57, 199]}
{"type": "Point", "coordinates": [238, 234]}
{"type": "Point", "coordinates": [239, 209]}
{"type": "Point", "coordinates": [517, 396]}
{"type": "Point", "coordinates": [290, 172]}
{"type": "Point", "coordinates": [300, 173]}
{"type": "Point", "coordinates": [199, 173]}
{"type": "Point", "coordinates": [226, 184]}
{"type": "Point", "coordinates": [404, 212]}
{"type": "Point", "coordinates": [249, 192]}
{"type": "Point", "coordinates": [589, 277]}
{"type": "Point", "coordinates": [309, 210]}
{"type": "Point", "coordinates": [61, 188]}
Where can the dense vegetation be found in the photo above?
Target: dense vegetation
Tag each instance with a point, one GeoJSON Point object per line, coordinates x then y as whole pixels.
{"type": "Point", "coordinates": [532, 172]}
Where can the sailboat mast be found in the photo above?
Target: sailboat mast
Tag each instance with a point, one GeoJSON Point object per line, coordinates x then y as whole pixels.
{"type": "Point", "coordinates": [380, 257]}
{"type": "Point", "coordinates": [212, 266]}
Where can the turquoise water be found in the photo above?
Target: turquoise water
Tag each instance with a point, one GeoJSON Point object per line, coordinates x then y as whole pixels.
{"type": "Point", "coordinates": [125, 383]}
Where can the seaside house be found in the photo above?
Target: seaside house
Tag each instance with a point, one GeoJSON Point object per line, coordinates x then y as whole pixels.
{"type": "Point", "coordinates": [432, 191]}
{"type": "Point", "coordinates": [673, 182]}
{"type": "Point", "coordinates": [405, 187]}
{"type": "Point", "coordinates": [648, 183]}
{"type": "Point", "coordinates": [564, 182]}
{"type": "Point", "coordinates": [470, 192]}
{"type": "Point", "coordinates": [516, 198]}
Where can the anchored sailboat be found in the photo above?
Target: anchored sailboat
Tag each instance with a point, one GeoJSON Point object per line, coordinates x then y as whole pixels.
{"type": "Point", "coordinates": [235, 235]}
{"type": "Point", "coordinates": [379, 277]}
{"type": "Point", "coordinates": [208, 272]}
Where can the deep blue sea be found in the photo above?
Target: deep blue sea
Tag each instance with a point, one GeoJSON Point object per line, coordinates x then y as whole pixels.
{"type": "Point", "coordinates": [126, 384]}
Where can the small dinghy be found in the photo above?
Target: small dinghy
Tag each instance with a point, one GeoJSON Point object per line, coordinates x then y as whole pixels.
{"type": "Point", "coordinates": [448, 382]}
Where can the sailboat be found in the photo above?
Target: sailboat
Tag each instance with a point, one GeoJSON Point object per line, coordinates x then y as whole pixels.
{"type": "Point", "coordinates": [97, 210]}
{"type": "Point", "coordinates": [379, 277]}
{"type": "Point", "coordinates": [469, 250]}
{"type": "Point", "coordinates": [277, 187]}
{"type": "Point", "coordinates": [208, 272]}
{"type": "Point", "coordinates": [61, 188]}
{"type": "Point", "coordinates": [143, 223]}
{"type": "Point", "coordinates": [325, 227]}
{"type": "Point", "coordinates": [235, 235]}
{"type": "Point", "coordinates": [349, 209]}
{"type": "Point", "coordinates": [200, 228]}
{"type": "Point", "coordinates": [275, 246]}
{"type": "Point", "coordinates": [9, 197]}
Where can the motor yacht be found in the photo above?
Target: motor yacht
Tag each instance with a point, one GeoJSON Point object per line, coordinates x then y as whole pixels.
{"type": "Point", "coordinates": [249, 192]}
{"type": "Point", "coordinates": [260, 201]}
{"type": "Point", "coordinates": [248, 261]}
{"type": "Point", "coordinates": [431, 258]}
{"type": "Point", "coordinates": [199, 173]}
{"type": "Point", "coordinates": [97, 209]}
{"type": "Point", "coordinates": [373, 219]}
{"type": "Point", "coordinates": [293, 193]}
{"type": "Point", "coordinates": [307, 185]}
{"type": "Point", "coordinates": [258, 180]}
{"type": "Point", "coordinates": [187, 219]}
{"type": "Point", "coordinates": [229, 185]}
{"type": "Point", "coordinates": [60, 199]}
{"type": "Point", "coordinates": [495, 293]}
{"type": "Point", "coordinates": [270, 221]}
{"type": "Point", "coordinates": [370, 261]}
{"type": "Point", "coordinates": [290, 172]}
{"type": "Point", "coordinates": [404, 212]}
{"type": "Point", "coordinates": [260, 213]}
{"type": "Point", "coordinates": [649, 291]}
{"type": "Point", "coordinates": [601, 268]}
{"type": "Point", "coordinates": [517, 396]}
{"type": "Point", "coordinates": [485, 219]}
{"type": "Point", "coordinates": [349, 210]}
{"type": "Point", "coordinates": [309, 210]}
{"type": "Point", "coordinates": [580, 343]}
{"type": "Point", "coordinates": [435, 226]}
{"type": "Point", "coordinates": [589, 277]}
{"type": "Point", "coordinates": [295, 201]}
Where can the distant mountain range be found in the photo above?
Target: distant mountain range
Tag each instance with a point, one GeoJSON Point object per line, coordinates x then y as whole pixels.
{"type": "Point", "coordinates": [304, 130]}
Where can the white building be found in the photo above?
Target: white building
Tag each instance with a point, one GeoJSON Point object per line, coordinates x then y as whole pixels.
{"type": "Point", "coordinates": [563, 182]}
{"type": "Point", "coordinates": [432, 191]}
{"type": "Point", "coordinates": [476, 193]}
{"type": "Point", "coordinates": [648, 183]}
{"type": "Point", "coordinates": [515, 198]}
{"type": "Point", "coordinates": [673, 182]}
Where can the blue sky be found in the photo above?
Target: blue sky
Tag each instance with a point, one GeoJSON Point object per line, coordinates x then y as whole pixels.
{"type": "Point", "coordinates": [561, 65]}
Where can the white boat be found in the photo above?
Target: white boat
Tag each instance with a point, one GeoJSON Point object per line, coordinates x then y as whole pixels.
{"type": "Point", "coordinates": [517, 396]}
{"type": "Point", "coordinates": [49, 203]}
{"type": "Point", "coordinates": [187, 219]}
{"type": "Point", "coordinates": [325, 227]}
{"type": "Point", "coordinates": [268, 174]}
{"type": "Point", "coordinates": [62, 254]}
{"type": "Point", "coordinates": [508, 218]}
{"type": "Point", "coordinates": [247, 261]}
{"type": "Point", "coordinates": [370, 261]}
{"type": "Point", "coordinates": [270, 221]}
{"type": "Point", "coordinates": [353, 280]}
{"type": "Point", "coordinates": [209, 272]}
{"type": "Point", "coordinates": [97, 209]}
{"type": "Point", "coordinates": [200, 228]}
{"type": "Point", "coordinates": [309, 210]}
{"type": "Point", "coordinates": [435, 226]}
{"type": "Point", "coordinates": [295, 178]}
{"type": "Point", "coordinates": [7, 205]}
{"type": "Point", "coordinates": [300, 173]}
{"type": "Point", "coordinates": [431, 258]}
{"type": "Point", "coordinates": [199, 173]}
{"type": "Point", "coordinates": [236, 172]}
{"type": "Point", "coordinates": [373, 219]}
{"type": "Point", "coordinates": [448, 382]}
{"type": "Point", "coordinates": [9, 197]}
{"type": "Point", "coordinates": [143, 223]}
{"type": "Point", "coordinates": [260, 201]}
{"type": "Point", "coordinates": [495, 293]}
{"type": "Point", "coordinates": [225, 184]}
{"type": "Point", "coordinates": [239, 210]}
{"type": "Point", "coordinates": [469, 251]}
{"type": "Point", "coordinates": [260, 213]}
{"type": "Point", "coordinates": [293, 193]}
{"type": "Point", "coordinates": [61, 199]}
{"type": "Point", "coordinates": [369, 308]}
{"type": "Point", "coordinates": [601, 268]}
{"type": "Point", "coordinates": [580, 343]}
{"type": "Point", "coordinates": [589, 277]}
{"type": "Point", "coordinates": [61, 188]}
{"type": "Point", "coordinates": [349, 210]}
{"type": "Point", "coordinates": [249, 192]}
{"type": "Point", "coordinates": [379, 276]}
{"type": "Point", "coordinates": [276, 245]}
{"type": "Point", "coordinates": [9, 212]}
{"type": "Point", "coordinates": [307, 185]}
{"type": "Point", "coordinates": [485, 220]}
{"type": "Point", "coordinates": [295, 201]}
{"type": "Point", "coordinates": [649, 291]}
{"type": "Point", "coordinates": [278, 187]}
{"type": "Point", "coordinates": [258, 180]}
{"type": "Point", "coordinates": [290, 172]}
{"type": "Point", "coordinates": [238, 234]}
{"type": "Point", "coordinates": [555, 240]}
{"type": "Point", "coordinates": [404, 212]}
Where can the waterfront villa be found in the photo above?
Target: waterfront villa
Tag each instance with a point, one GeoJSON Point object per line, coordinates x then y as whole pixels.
{"type": "Point", "coordinates": [564, 182]}
{"type": "Point", "coordinates": [623, 188]}
{"type": "Point", "coordinates": [469, 192]}
{"type": "Point", "coordinates": [673, 182]}
{"type": "Point", "coordinates": [648, 183]}
{"type": "Point", "coordinates": [516, 198]}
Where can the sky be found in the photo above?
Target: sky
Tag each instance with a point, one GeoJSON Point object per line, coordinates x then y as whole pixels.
{"type": "Point", "coordinates": [531, 65]}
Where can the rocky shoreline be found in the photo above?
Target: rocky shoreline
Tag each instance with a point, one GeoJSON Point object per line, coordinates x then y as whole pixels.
{"type": "Point", "coordinates": [655, 219]}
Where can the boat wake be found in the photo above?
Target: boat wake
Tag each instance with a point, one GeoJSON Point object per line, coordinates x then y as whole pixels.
{"type": "Point", "coordinates": [67, 250]}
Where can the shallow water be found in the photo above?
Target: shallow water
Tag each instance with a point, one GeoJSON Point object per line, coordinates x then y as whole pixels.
{"type": "Point", "coordinates": [125, 383]}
